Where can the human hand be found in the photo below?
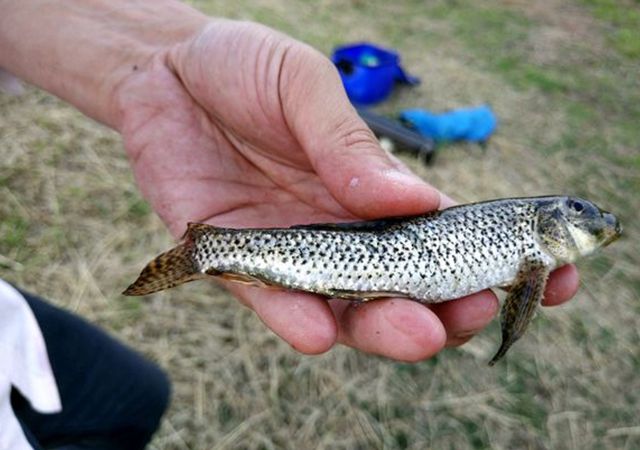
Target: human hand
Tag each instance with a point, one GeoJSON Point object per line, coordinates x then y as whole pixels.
{"type": "Point", "coordinates": [241, 126]}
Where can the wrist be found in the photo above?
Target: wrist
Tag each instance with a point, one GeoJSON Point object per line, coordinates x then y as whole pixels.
{"type": "Point", "coordinates": [148, 54]}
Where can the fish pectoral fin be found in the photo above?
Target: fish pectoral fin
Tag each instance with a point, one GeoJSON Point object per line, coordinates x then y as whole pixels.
{"type": "Point", "coordinates": [519, 308]}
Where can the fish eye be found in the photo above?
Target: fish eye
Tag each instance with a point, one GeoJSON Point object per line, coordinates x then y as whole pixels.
{"type": "Point", "coordinates": [576, 205]}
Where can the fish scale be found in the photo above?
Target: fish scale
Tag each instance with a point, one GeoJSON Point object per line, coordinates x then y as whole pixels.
{"type": "Point", "coordinates": [431, 258]}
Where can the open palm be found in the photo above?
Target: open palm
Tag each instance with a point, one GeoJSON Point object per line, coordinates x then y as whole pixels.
{"type": "Point", "coordinates": [244, 127]}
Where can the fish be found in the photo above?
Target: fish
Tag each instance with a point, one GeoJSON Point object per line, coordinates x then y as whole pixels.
{"type": "Point", "coordinates": [512, 243]}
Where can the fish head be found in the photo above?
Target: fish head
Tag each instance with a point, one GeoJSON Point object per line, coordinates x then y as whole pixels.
{"type": "Point", "coordinates": [572, 227]}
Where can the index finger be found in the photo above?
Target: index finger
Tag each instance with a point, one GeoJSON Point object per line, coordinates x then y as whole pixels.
{"type": "Point", "coordinates": [400, 329]}
{"type": "Point", "coordinates": [562, 285]}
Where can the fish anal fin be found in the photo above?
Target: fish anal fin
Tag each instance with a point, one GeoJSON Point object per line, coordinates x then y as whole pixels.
{"type": "Point", "coordinates": [363, 296]}
{"type": "Point", "coordinates": [525, 294]}
{"type": "Point", "coordinates": [242, 278]}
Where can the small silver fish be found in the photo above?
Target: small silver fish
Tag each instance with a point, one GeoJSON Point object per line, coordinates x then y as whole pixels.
{"type": "Point", "coordinates": [512, 243]}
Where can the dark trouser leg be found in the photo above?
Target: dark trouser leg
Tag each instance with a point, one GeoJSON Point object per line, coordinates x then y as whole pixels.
{"type": "Point", "coordinates": [112, 398]}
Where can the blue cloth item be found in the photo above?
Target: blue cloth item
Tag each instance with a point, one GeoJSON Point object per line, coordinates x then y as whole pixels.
{"type": "Point", "coordinates": [474, 124]}
{"type": "Point", "coordinates": [369, 72]}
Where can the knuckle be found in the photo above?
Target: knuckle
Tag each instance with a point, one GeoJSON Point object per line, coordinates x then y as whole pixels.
{"type": "Point", "coordinates": [353, 134]}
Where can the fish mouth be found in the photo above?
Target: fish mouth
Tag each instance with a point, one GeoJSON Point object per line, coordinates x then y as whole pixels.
{"type": "Point", "coordinates": [614, 228]}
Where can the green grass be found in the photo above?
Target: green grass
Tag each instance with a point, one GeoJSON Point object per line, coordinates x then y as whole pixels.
{"type": "Point", "coordinates": [138, 208]}
{"type": "Point", "coordinates": [623, 18]}
{"type": "Point", "coordinates": [562, 77]}
{"type": "Point", "coordinates": [13, 232]}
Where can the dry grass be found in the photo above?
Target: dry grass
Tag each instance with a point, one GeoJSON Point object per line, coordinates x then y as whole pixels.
{"type": "Point", "coordinates": [73, 229]}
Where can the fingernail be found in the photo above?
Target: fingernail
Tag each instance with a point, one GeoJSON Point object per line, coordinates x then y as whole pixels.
{"type": "Point", "coordinates": [464, 334]}
{"type": "Point", "coordinates": [446, 201]}
{"type": "Point", "coordinates": [457, 342]}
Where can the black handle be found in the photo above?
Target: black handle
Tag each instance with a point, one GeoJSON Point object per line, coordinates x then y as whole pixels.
{"type": "Point", "coordinates": [404, 137]}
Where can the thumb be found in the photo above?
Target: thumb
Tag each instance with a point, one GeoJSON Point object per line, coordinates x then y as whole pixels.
{"type": "Point", "coordinates": [344, 152]}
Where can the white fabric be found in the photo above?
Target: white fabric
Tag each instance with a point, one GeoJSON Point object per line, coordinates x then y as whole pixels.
{"type": "Point", "coordinates": [24, 364]}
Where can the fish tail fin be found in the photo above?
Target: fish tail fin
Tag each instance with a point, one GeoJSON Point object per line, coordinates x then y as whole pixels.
{"type": "Point", "coordinates": [171, 268]}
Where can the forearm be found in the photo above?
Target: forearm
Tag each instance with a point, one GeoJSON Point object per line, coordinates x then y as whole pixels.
{"type": "Point", "coordinates": [81, 50]}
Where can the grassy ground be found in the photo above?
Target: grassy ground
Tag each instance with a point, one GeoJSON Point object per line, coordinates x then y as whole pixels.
{"type": "Point", "coordinates": [563, 78]}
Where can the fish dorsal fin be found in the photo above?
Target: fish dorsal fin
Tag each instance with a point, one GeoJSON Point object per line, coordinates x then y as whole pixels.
{"type": "Point", "coordinates": [525, 294]}
{"type": "Point", "coordinates": [376, 225]}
